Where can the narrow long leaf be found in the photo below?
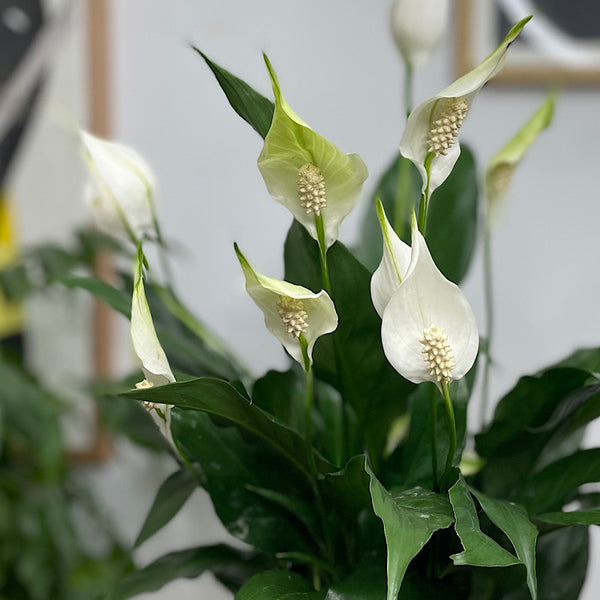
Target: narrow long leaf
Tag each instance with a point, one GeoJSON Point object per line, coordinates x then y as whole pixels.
{"type": "Point", "coordinates": [170, 498]}
{"type": "Point", "coordinates": [254, 108]}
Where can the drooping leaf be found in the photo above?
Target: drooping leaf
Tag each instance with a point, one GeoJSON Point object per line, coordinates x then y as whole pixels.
{"type": "Point", "coordinates": [254, 108]}
{"type": "Point", "coordinates": [278, 585]}
{"type": "Point", "coordinates": [409, 518]}
{"type": "Point", "coordinates": [452, 218]}
{"type": "Point", "coordinates": [170, 498]}
{"type": "Point", "coordinates": [115, 298]}
{"type": "Point", "coordinates": [479, 549]}
{"type": "Point", "coordinates": [189, 564]}
{"type": "Point", "coordinates": [512, 519]}
{"type": "Point", "coordinates": [574, 517]}
{"type": "Point", "coordinates": [219, 398]}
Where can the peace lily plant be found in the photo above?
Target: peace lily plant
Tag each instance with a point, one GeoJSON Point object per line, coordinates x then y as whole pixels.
{"type": "Point", "coordinates": [351, 475]}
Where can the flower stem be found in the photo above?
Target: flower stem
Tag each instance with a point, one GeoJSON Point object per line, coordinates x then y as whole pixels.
{"type": "Point", "coordinates": [323, 253]}
{"type": "Point", "coordinates": [402, 200]}
{"type": "Point", "coordinates": [489, 319]}
{"type": "Point", "coordinates": [309, 390]}
{"type": "Point", "coordinates": [445, 388]}
{"type": "Point", "coordinates": [433, 432]}
{"type": "Point", "coordinates": [424, 203]}
{"type": "Point", "coordinates": [408, 88]}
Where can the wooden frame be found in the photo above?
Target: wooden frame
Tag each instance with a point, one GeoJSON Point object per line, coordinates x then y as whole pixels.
{"type": "Point", "coordinates": [100, 118]}
{"type": "Point", "coordinates": [536, 70]}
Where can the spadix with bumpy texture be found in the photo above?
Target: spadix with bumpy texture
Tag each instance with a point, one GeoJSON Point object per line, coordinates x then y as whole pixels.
{"type": "Point", "coordinates": [428, 330]}
{"type": "Point", "coordinates": [293, 314]}
{"type": "Point", "coordinates": [306, 173]}
{"type": "Point", "coordinates": [430, 139]}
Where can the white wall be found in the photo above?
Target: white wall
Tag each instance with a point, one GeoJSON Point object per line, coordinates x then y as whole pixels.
{"type": "Point", "coordinates": [340, 72]}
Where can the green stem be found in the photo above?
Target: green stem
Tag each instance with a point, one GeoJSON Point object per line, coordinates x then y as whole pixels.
{"type": "Point", "coordinates": [402, 200]}
{"type": "Point", "coordinates": [424, 202]}
{"type": "Point", "coordinates": [323, 253]}
{"type": "Point", "coordinates": [309, 391]}
{"type": "Point", "coordinates": [489, 319]}
{"type": "Point", "coordinates": [433, 431]}
{"type": "Point", "coordinates": [445, 388]}
{"type": "Point", "coordinates": [408, 88]}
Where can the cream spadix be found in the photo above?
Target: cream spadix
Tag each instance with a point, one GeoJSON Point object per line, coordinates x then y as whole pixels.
{"type": "Point", "coordinates": [430, 139]}
{"type": "Point", "coordinates": [295, 315]}
{"type": "Point", "coordinates": [306, 173]}
{"type": "Point", "coordinates": [428, 329]}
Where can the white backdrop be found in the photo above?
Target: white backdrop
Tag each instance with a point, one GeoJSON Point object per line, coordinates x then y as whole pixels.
{"type": "Point", "coordinates": [339, 70]}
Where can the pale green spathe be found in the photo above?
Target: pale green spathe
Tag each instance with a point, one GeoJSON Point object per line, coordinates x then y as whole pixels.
{"type": "Point", "coordinates": [425, 298]}
{"type": "Point", "coordinates": [120, 191]}
{"type": "Point", "coordinates": [500, 169]}
{"type": "Point", "coordinates": [393, 266]}
{"type": "Point", "coordinates": [289, 145]}
{"type": "Point", "coordinates": [267, 292]}
{"type": "Point", "coordinates": [143, 335]}
{"type": "Point", "coordinates": [414, 142]}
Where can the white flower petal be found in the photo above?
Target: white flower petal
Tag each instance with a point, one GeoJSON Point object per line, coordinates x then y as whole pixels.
{"type": "Point", "coordinates": [425, 299]}
{"type": "Point", "coordinates": [143, 335]}
{"type": "Point", "coordinates": [418, 27]}
{"type": "Point", "coordinates": [290, 145]}
{"type": "Point", "coordinates": [414, 144]}
{"type": "Point", "coordinates": [393, 266]}
{"type": "Point", "coordinates": [121, 188]}
{"type": "Point", "coordinates": [321, 317]}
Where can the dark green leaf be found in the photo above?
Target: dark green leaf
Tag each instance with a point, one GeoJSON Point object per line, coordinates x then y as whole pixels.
{"type": "Point", "coordinates": [451, 222]}
{"type": "Point", "coordinates": [512, 519]}
{"type": "Point", "coordinates": [366, 583]}
{"type": "Point", "coordinates": [557, 483]}
{"type": "Point", "coordinates": [186, 563]}
{"type": "Point", "coordinates": [409, 519]}
{"type": "Point", "coordinates": [233, 470]}
{"type": "Point", "coordinates": [575, 517]}
{"type": "Point", "coordinates": [351, 359]}
{"type": "Point", "coordinates": [278, 585]}
{"type": "Point", "coordinates": [479, 549]}
{"type": "Point", "coordinates": [254, 108]}
{"type": "Point", "coordinates": [170, 498]}
{"type": "Point", "coordinates": [221, 399]}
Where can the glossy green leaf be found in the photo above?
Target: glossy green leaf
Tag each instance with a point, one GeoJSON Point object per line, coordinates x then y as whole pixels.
{"type": "Point", "coordinates": [409, 519]}
{"type": "Point", "coordinates": [278, 585]}
{"type": "Point", "coordinates": [524, 424]}
{"type": "Point", "coordinates": [557, 483]}
{"type": "Point", "coordinates": [187, 564]}
{"type": "Point", "coordinates": [234, 470]}
{"type": "Point", "coordinates": [575, 517]}
{"type": "Point", "coordinates": [366, 583]}
{"type": "Point", "coordinates": [219, 398]}
{"type": "Point", "coordinates": [351, 359]}
{"type": "Point", "coordinates": [479, 550]}
{"type": "Point", "coordinates": [170, 498]}
{"type": "Point", "coordinates": [512, 519]}
{"type": "Point", "coordinates": [452, 219]}
{"type": "Point", "coordinates": [254, 108]}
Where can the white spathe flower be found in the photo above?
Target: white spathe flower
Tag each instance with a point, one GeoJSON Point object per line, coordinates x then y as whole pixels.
{"type": "Point", "coordinates": [120, 191]}
{"type": "Point", "coordinates": [428, 330]}
{"type": "Point", "coordinates": [293, 314]}
{"type": "Point", "coordinates": [430, 139]}
{"type": "Point", "coordinates": [393, 266]}
{"type": "Point", "coordinates": [306, 173]}
{"type": "Point", "coordinates": [143, 335]}
{"type": "Point", "coordinates": [502, 166]}
{"type": "Point", "coordinates": [155, 365]}
{"type": "Point", "coordinates": [418, 27]}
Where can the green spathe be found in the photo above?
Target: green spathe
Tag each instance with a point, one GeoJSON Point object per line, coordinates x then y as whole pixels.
{"type": "Point", "coordinates": [320, 316]}
{"type": "Point", "coordinates": [501, 167]}
{"type": "Point", "coordinates": [414, 143]}
{"type": "Point", "coordinates": [290, 145]}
